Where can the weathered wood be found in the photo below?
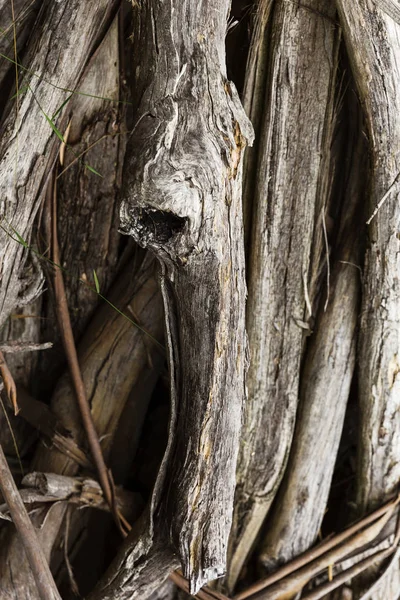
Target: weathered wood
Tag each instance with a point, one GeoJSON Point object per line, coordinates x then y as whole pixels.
{"type": "Point", "coordinates": [61, 44]}
{"type": "Point", "coordinates": [39, 488]}
{"type": "Point", "coordinates": [109, 378]}
{"type": "Point", "coordinates": [289, 196]}
{"type": "Point", "coordinates": [182, 200]}
{"type": "Point", "coordinates": [328, 363]}
{"type": "Point", "coordinates": [88, 204]}
{"type": "Point", "coordinates": [31, 546]}
{"type": "Point", "coordinates": [25, 12]}
{"type": "Point", "coordinates": [374, 49]}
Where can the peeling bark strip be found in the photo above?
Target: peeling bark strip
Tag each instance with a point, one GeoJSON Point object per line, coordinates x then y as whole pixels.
{"type": "Point", "coordinates": [373, 45]}
{"type": "Point", "coordinates": [293, 140]}
{"type": "Point", "coordinates": [64, 39]}
{"type": "Point", "coordinates": [183, 201]}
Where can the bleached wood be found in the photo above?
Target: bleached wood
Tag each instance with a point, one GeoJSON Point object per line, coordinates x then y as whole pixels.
{"type": "Point", "coordinates": [329, 360]}
{"type": "Point", "coordinates": [183, 201]}
{"type": "Point", "coordinates": [373, 45]}
{"type": "Point", "coordinates": [62, 43]}
{"type": "Point", "coordinates": [293, 141]}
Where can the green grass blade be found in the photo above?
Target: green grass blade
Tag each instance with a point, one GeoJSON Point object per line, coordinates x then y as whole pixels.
{"type": "Point", "coordinates": [61, 107]}
{"type": "Point", "coordinates": [89, 168]}
{"type": "Point", "coordinates": [58, 87]}
{"type": "Point", "coordinates": [96, 281]}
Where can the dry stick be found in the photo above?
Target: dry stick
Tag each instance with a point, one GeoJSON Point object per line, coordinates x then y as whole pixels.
{"type": "Point", "coordinates": [203, 594]}
{"type": "Point", "coordinates": [64, 321]}
{"type": "Point", "coordinates": [308, 557]}
{"type": "Point", "coordinates": [342, 578]}
{"type": "Point", "coordinates": [13, 347]}
{"type": "Point", "coordinates": [314, 553]}
{"type": "Point", "coordinates": [393, 561]}
{"type": "Point", "coordinates": [9, 383]}
{"type": "Point", "coordinates": [295, 582]}
{"type": "Point", "coordinates": [38, 563]}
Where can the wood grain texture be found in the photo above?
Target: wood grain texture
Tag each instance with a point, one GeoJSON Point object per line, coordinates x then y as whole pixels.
{"type": "Point", "coordinates": [330, 356]}
{"type": "Point", "coordinates": [25, 12]}
{"type": "Point", "coordinates": [38, 562]}
{"type": "Point", "coordinates": [293, 142]}
{"type": "Point", "coordinates": [183, 201]}
{"type": "Point", "coordinates": [373, 45]}
{"type": "Point", "coordinates": [109, 379]}
{"type": "Point", "coordinates": [64, 36]}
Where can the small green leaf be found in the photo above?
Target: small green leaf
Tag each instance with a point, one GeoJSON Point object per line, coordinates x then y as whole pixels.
{"type": "Point", "coordinates": [96, 282]}
{"type": "Point", "coordinates": [50, 122]}
{"type": "Point", "coordinates": [54, 128]}
{"type": "Point", "coordinates": [61, 107]}
{"type": "Point", "coordinates": [21, 240]}
{"type": "Point", "coordinates": [89, 168]}
{"type": "Point", "coordinates": [21, 91]}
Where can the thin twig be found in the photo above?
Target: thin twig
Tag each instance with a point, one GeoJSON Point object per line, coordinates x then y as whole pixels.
{"type": "Point", "coordinates": [38, 563]}
{"type": "Point", "coordinates": [64, 321]}
{"type": "Point", "coordinates": [328, 263]}
{"type": "Point", "coordinates": [324, 589]}
{"type": "Point", "coordinates": [345, 540]}
{"type": "Point", "coordinates": [384, 198]}
{"type": "Point", "coordinates": [72, 580]}
{"type": "Point", "coordinates": [394, 560]}
{"type": "Point", "coordinates": [13, 347]}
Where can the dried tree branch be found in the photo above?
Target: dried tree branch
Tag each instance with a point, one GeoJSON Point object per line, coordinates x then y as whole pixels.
{"type": "Point", "coordinates": [13, 347]}
{"type": "Point", "coordinates": [343, 543]}
{"type": "Point", "coordinates": [73, 363]}
{"type": "Point", "coordinates": [328, 363]}
{"type": "Point", "coordinates": [373, 45]}
{"type": "Point", "coordinates": [288, 82]}
{"type": "Point", "coordinates": [40, 568]}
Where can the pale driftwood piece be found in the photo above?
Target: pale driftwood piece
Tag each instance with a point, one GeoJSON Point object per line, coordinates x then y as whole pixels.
{"type": "Point", "coordinates": [373, 45]}
{"type": "Point", "coordinates": [31, 546]}
{"type": "Point", "coordinates": [17, 346]}
{"type": "Point", "coordinates": [80, 491]}
{"type": "Point", "coordinates": [328, 368]}
{"type": "Point", "coordinates": [289, 193]}
{"type": "Point", "coordinates": [183, 201]}
{"type": "Point", "coordinates": [63, 41]}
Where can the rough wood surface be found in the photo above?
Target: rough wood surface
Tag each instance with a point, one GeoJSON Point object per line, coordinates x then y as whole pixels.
{"type": "Point", "coordinates": [63, 41]}
{"type": "Point", "coordinates": [294, 138]}
{"type": "Point", "coordinates": [25, 12]}
{"type": "Point", "coordinates": [183, 201]}
{"type": "Point", "coordinates": [38, 563]}
{"type": "Point", "coordinates": [373, 45]}
{"type": "Point", "coordinates": [329, 360]}
{"type": "Point", "coordinates": [109, 378]}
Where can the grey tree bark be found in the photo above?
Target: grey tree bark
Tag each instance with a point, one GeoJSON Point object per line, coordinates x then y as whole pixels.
{"type": "Point", "coordinates": [268, 391]}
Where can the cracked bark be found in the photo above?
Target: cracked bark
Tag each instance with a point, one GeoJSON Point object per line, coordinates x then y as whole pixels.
{"type": "Point", "coordinates": [182, 201]}
{"type": "Point", "coordinates": [28, 145]}
{"type": "Point", "coordinates": [288, 82]}
{"type": "Point", "coordinates": [329, 359]}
